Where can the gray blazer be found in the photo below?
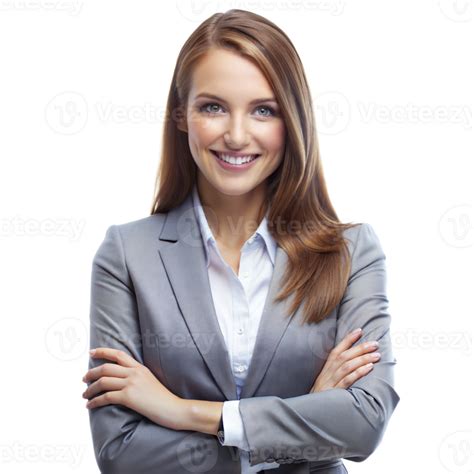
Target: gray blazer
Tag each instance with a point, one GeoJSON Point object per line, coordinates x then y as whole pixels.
{"type": "Point", "coordinates": [150, 297]}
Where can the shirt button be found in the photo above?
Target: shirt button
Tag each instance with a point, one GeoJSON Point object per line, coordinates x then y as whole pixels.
{"type": "Point", "coordinates": [240, 331]}
{"type": "Point", "coordinates": [245, 274]}
{"type": "Point", "coordinates": [240, 368]}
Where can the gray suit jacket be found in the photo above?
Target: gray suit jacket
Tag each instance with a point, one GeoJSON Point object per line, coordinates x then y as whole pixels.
{"type": "Point", "coordinates": [151, 297]}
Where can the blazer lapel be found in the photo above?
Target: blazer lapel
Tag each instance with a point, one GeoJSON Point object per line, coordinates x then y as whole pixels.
{"type": "Point", "coordinates": [273, 325]}
{"type": "Point", "coordinates": [185, 265]}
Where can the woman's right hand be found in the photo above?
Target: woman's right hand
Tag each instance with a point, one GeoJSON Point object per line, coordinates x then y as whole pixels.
{"type": "Point", "coordinates": [346, 364]}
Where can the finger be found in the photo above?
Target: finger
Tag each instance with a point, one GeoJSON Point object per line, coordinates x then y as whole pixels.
{"type": "Point", "coordinates": [114, 370]}
{"type": "Point", "coordinates": [353, 364]}
{"type": "Point", "coordinates": [107, 398]}
{"type": "Point", "coordinates": [347, 342]}
{"type": "Point", "coordinates": [116, 355]}
{"type": "Point", "coordinates": [360, 349]}
{"type": "Point", "coordinates": [349, 379]}
{"type": "Point", "coordinates": [104, 384]}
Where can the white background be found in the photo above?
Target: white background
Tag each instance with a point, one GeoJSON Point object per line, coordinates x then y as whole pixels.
{"type": "Point", "coordinates": [83, 91]}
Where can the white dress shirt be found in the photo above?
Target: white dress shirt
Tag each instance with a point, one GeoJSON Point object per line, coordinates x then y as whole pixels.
{"type": "Point", "coordinates": [239, 300]}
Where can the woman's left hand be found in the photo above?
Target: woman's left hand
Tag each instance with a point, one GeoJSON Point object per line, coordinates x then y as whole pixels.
{"type": "Point", "coordinates": [133, 385]}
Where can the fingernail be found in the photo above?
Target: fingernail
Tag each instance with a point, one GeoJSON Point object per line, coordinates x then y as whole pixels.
{"type": "Point", "coordinates": [92, 352]}
{"type": "Point", "coordinates": [356, 331]}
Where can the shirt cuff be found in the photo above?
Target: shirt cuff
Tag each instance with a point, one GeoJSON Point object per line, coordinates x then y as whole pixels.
{"type": "Point", "coordinates": [234, 434]}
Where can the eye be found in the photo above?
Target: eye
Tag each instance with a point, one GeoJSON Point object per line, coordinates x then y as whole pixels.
{"type": "Point", "coordinates": [265, 107]}
{"type": "Point", "coordinates": [211, 108]}
{"type": "Point", "coordinates": [204, 108]}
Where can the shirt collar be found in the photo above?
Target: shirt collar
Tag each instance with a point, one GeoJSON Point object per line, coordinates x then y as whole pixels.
{"type": "Point", "coordinates": [208, 236]}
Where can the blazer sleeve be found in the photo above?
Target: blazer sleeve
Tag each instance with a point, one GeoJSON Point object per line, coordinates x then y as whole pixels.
{"type": "Point", "coordinates": [335, 423]}
{"type": "Point", "coordinates": [124, 440]}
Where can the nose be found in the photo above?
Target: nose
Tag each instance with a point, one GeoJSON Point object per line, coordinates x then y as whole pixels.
{"type": "Point", "coordinates": [237, 135]}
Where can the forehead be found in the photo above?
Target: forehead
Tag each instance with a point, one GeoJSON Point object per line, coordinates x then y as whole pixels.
{"type": "Point", "coordinates": [229, 75]}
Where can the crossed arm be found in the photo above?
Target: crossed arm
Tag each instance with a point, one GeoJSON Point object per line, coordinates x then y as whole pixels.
{"type": "Point", "coordinates": [346, 423]}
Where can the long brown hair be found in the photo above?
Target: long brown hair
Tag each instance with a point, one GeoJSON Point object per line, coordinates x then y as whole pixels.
{"type": "Point", "coordinates": [318, 258]}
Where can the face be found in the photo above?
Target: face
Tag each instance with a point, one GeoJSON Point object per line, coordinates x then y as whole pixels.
{"type": "Point", "coordinates": [226, 116]}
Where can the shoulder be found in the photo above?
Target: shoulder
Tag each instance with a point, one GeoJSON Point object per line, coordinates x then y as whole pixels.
{"type": "Point", "coordinates": [140, 228]}
{"type": "Point", "coordinates": [130, 238]}
{"type": "Point", "coordinates": [364, 245]}
{"type": "Point", "coordinates": [362, 232]}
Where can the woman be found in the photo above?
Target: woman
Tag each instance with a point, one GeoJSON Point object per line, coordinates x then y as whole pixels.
{"type": "Point", "coordinates": [231, 309]}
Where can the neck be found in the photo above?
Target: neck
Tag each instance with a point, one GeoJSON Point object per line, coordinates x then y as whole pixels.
{"type": "Point", "coordinates": [232, 219]}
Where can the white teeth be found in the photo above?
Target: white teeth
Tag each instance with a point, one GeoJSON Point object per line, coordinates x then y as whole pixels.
{"type": "Point", "coordinates": [236, 161]}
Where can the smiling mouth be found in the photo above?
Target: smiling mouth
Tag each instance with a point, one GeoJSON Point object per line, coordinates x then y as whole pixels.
{"type": "Point", "coordinates": [235, 160]}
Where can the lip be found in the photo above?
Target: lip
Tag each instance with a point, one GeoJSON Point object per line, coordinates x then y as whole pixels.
{"type": "Point", "coordinates": [234, 153]}
{"type": "Point", "coordinates": [231, 167]}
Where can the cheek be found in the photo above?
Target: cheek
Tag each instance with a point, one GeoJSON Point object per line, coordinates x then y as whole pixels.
{"type": "Point", "coordinates": [273, 140]}
{"type": "Point", "coordinates": [202, 132]}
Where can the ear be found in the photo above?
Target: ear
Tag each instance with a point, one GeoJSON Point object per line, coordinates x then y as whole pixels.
{"type": "Point", "coordinates": [182, 124]}
{"type": "Point", "coordinates": [181, 120]}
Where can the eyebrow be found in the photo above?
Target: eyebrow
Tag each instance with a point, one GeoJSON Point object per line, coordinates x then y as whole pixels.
{"type": "Point", "coordinates": [255, 101]}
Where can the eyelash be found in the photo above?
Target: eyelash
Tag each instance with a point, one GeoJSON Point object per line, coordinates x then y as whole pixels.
{"type": "Point", "coordinates": [203, 107]}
